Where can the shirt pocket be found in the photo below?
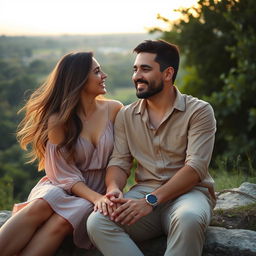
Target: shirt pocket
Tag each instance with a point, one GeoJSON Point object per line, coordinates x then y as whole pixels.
{"type": "Point", "coordinates": [175, 144]}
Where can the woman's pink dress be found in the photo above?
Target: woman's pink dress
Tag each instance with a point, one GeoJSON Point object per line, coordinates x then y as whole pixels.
{"type": "Point", "coordinates": [90, 168]}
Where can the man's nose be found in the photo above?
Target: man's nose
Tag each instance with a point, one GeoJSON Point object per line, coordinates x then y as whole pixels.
{"type": "Point", "coordinates": [136, 75]}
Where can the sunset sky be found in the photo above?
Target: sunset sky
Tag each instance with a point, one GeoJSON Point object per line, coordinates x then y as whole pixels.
{"type": "Point", "coordinates": [48, 17]}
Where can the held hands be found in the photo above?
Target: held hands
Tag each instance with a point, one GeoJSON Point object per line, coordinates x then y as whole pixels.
{"type": "Point", "coordinates": [112, 195]}
{"type": "Point", "coordinates": [124, 210]}
{"type": "Point", "coordinates": [104, 203]}
{"type": "Point", "coordinates": [130, 210]}
{"type": "Point", "coordinates": [101, 205]}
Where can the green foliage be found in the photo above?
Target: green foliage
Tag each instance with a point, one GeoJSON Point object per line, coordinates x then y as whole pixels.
{"type": "Point", "coordinates": [202, 35]}
{"type": "Point", "coordinates": [231, 172]}
{"type": "Point", "coordinates": [131, 179]}
{"type": "Point", "coordinates": [237, 95]}
{"type": "Point", "coordinates": [6, 193]}
{"type": "Point", "coordinates": [118, 67]}
{"type": "Point", "coordinates": [230, 179]}
{"type": "Point", "coordinates": [218, 40]}
{"type": "Point", "coordinates": [40, 54]}
{"type": "Point", "coordinates": [124, 95]}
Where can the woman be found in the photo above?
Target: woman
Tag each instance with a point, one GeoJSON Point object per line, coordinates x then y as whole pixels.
{"type": "Point", "coordinates": [69, 129]}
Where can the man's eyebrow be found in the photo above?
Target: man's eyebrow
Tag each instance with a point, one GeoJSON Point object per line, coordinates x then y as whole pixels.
{"type": "Point", "coordinates": [143, 66]}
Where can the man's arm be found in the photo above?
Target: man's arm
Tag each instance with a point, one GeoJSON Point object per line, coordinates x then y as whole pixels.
{"type": "Point", "coordinates": [132, 210]}
{"type": "Point", "coordinates": [115, 181]}
{"type": "Point", "coordinates": [183, 181]}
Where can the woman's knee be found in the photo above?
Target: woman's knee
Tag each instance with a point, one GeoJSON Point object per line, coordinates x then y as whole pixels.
{"type": "Point", "coordinates": [38, 208]}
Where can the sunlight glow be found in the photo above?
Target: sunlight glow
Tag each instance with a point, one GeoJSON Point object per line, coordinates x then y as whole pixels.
{"type": "Point", "coordinates": [48, 17]}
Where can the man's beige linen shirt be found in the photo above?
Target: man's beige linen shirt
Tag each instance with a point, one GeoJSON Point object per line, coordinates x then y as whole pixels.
{"type": "Point", "coordinates": [184, 137]}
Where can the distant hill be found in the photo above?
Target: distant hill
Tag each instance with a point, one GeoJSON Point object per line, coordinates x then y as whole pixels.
{"type": "Point", "coordinates": [106, 43]}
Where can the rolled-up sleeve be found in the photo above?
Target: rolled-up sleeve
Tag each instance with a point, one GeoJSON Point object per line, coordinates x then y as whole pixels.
{"type": "Point", "coordinates": [58, 171]}
{"type": "Point", "coordinates": [201, 136]}
{"type": "Point", "coordinates": [121, 155]}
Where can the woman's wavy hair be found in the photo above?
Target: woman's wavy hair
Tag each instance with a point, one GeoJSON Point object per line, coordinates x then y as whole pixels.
{"type": "Point", "coordinates": [59, 95]}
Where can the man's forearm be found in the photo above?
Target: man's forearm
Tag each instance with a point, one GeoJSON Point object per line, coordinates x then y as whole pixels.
{"type": "Point", "coordinates": [115, 178]}
{"type": "Point", "coordinates": [183, 181]}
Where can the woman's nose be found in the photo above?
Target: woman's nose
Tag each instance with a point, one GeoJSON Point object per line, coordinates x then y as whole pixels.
{"type": "Point", "coordinates": [104, 75]}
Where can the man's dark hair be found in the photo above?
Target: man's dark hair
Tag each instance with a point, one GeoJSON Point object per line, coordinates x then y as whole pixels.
{"type": "Point", "coordinates": [167, 54]}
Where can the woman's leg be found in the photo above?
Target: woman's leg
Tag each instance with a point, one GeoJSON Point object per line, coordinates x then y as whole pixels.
{"type": "Point", "coordinates": [48, 238]}
{"type": "Point", "coordinates": [20, 228]}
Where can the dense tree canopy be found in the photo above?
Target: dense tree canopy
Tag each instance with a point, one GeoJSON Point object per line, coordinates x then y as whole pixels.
{"type": "Point", "coordinates": [218, 40]}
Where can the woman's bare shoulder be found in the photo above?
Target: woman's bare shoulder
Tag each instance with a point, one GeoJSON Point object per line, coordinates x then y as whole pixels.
{"type": "Point", "coordinates": [114, 107]}
{"type": "Point", "coordinates": [115, 104]}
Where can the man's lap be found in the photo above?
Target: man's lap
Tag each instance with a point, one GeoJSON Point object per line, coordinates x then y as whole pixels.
{"type": "Point", "coordinates": [192, 206]}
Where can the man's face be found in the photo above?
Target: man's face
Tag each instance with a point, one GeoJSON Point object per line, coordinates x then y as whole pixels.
{"type": "Point", "coordinates": [147, 76]}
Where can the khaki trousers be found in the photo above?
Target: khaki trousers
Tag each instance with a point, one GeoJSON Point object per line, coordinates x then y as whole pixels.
{"type": "Point", "coordinates": [183, 220]}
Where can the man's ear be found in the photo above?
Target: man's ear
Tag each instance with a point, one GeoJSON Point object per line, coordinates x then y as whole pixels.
{"type": "Point", "coordinates": [168, 74]}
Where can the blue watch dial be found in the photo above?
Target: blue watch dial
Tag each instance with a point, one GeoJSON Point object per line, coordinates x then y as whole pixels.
{"type": "Point", "coordinates": [151, 199]}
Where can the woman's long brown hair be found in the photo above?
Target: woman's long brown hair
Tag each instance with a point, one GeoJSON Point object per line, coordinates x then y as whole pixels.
{"type": "Point", "coordinates": [59, 95]}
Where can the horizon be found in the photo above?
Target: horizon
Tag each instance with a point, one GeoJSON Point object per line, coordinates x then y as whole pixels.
{"type": "Point", "coordinates": [78, 35]}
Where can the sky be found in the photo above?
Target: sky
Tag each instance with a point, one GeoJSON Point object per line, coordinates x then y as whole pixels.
{"type": "Point", "coordinates": [51, 17]}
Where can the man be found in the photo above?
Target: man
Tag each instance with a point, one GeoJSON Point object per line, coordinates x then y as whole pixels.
{"type": "Point", "coordinates": [171, 135]}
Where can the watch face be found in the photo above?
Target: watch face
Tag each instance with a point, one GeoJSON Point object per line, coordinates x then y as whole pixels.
{"type": "Point", "coordinates": [152, 199]}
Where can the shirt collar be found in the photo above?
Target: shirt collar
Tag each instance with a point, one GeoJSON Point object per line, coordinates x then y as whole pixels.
{"type": "Point", "coordinates": [178, 104]}
{"type": "Point", "coordinates": [141, 106]}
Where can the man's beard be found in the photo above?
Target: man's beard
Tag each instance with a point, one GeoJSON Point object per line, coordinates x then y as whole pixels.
{"type": "Point", "coordinates": [151, 90]}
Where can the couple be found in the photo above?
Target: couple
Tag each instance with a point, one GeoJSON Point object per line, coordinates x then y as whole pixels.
{"type": "Point", "coordinates": [70, 128]}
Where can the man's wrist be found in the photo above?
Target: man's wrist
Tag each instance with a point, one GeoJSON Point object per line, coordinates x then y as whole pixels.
{"type": "Point", "coordinates": [112, 187]}
{"type": "Point", "coordinates": [152, 200]}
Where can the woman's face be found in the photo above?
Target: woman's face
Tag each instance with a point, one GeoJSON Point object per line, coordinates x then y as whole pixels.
{"type": "Point", "coordinates": [95, 84]}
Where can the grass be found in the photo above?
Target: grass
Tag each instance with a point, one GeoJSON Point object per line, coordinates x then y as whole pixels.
{"type": "Point", "coordinates": [228, 180]}
{"type": "Point", "coordinates": [223, 179]}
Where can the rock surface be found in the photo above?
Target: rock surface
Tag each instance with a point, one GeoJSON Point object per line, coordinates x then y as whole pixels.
{"type": "Point", "coordinates": [219, 241]}
{"type": "Point", "coordinates": [229, 242]}
{"type": "Point", "coordinates": [244, 195]}
{"type": "Point", "coordinates": [4, 216]}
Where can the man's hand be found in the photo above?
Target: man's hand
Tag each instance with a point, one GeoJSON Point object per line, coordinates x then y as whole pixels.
{"type": "Point", "coordinates": [130, 210]}
{"type": "Point", "coordinates": [112, 195]}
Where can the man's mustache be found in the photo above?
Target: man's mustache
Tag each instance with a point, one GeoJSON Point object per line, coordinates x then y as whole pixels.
{"type": "Point", "coordinates": [141, 81]}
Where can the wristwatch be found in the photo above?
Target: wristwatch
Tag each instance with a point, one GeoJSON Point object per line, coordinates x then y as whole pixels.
{"type": "Point", "coordinates": [151, 200]}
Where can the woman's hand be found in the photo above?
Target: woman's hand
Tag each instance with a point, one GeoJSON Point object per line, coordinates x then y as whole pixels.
{"type": "Point", "coordinates": [102, 205]}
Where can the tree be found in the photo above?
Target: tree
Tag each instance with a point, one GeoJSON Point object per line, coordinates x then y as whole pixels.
{"type": "Point", "coordinates": [218, 41]}
{"type": "Point", "coordinates": [237, 96]}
